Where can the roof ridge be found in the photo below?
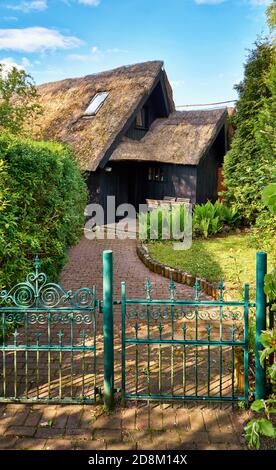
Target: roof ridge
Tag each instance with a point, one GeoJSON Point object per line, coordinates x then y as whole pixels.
{"type": "Point", "coordinates": [122, 68]}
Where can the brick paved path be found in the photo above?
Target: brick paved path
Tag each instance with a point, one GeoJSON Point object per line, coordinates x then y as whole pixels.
{"type": "Point", "coordinates": [139, 426]}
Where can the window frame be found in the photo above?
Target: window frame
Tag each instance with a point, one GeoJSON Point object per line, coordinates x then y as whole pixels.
{"type": "Point", "coordinates": [87, 113]}
{"type": "Point", "coordinates": [155, 174]}
{"type": "Point", "coordinates": [144, 114]}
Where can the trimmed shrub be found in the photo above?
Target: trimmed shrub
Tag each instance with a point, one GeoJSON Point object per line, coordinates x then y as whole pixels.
{"type": "Point", "coordinates": [42, 200]}
{"type": "Point", "coordinates": [210, 219]}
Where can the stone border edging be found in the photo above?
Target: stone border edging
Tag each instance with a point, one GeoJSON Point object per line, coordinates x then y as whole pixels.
{"type": "Point", "coordinates": [175, 274]}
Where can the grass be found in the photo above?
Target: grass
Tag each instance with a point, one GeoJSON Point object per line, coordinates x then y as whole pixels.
{"type": "Point", "coordinates": [228, 257]}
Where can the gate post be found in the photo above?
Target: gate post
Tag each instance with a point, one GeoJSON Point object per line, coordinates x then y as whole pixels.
{"type": "Point", "coordinates": [108, 328]}
{"type": "Point", "coordinates": [260, 373]}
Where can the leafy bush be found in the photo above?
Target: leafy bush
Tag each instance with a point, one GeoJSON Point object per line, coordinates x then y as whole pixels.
{"type": "Point", "coordinates": [42, 200]}
{"type": "Point", "coordinates": [210, 219]}
{"type": "Point", "coordinates": [162, 223]}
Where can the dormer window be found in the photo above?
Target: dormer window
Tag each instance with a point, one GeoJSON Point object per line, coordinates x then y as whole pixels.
{"type": "Point", "coordinates": [141, 121]}
{"type": "Point", "coordinates": [96, 103]}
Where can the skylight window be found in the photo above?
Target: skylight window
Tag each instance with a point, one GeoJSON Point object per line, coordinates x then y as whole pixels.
{"type": "Point", "coordinates": [95, 104]}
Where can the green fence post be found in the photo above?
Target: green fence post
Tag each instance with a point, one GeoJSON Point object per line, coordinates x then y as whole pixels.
{"type": "Point", "coordinates": [108, 328]}
{"type": "Point", "coordinates": [123, 364]}
{"type": "Point", "coordinates": [261, 269]}
{"type": "Point", "coordinates": [245, 357]}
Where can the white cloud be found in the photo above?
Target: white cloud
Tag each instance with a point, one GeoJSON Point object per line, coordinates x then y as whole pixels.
{"type": "Point", "coordinates": [93, 3]}
{"type": "Point", "coordinates": [8, 63]}
{"type": "Point", "coordinates": [209, 2]}
{"type": "Point", "coordinates": [26, 7]}
{"type": "Point", "coordinates": [36, 39]}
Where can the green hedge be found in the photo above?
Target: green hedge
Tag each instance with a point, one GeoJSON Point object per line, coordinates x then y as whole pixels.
{"type": "Point", "coordinates": [42, 200]}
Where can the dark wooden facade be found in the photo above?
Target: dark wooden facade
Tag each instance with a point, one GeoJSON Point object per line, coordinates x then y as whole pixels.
{"type": "Point", "coordinates": [129, 181]}
{"type": "Point", "coordinates": [155, 107]}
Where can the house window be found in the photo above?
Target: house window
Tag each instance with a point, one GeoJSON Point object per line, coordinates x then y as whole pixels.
{"type": "Point", "coordinates": [141, 121]}
{"type": "Point", "coordinates": [155, 174]}
{"type": "Point", "coordinates": [95, 104]}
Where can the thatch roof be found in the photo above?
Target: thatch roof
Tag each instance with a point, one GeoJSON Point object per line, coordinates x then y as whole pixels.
{"type": "Point", "coordinates": [92, 138]}
{"type": "Point", "coordinates": [182, 138]}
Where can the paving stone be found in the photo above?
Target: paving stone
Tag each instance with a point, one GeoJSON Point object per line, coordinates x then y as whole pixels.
{"type": "Point", "coordinates": [30, 444]}
{"type": "Point", "coordinates": [80, 433]}
{"type": "Point", "coordinates": [90, 445]}
{"type": "Point", "coordinates": [183, 419]}
{"type": "Point", "coordinates": [110, 436]}
{"type": "Point", "coordinates": [105, 421]}
{"type": "Point", "coordinates": [236, 447]}
{"type": "Point", "coordinates": [224, 420]}
{"type": "Point", "coordinates": [129, 418]}
{"type": "Point", "coordinates": [188, 446]}
{"type": "Point", "coordinates": [142, 420]}
{"type": "Point", "coordinates": [88, 418]}
{"type": "Point", "coordinates": [33, 418]}
{"type": "Point", "coordinates": [49, 433]}
{"type": "Point", "coordinates": [216, 446]}
{"type": "Point", "coordinates": [59, 444]}
{"type": "Point", "coordinates": [121, 446]}
{"type": "Point", "coordinates": [166, 440]}
{"type": "Point", "coordinates": [136, 436]}
{"type": "Point", "coordinates": [223, 437]}
{"type": "Point", "coordinates": [169, 418]}
{"type": "Point", "coordinates": [74, 419]}
{"type": "Point", "coordinates": [210, 420]}
{"type": "Point", "coordinates": [8, 442]}
{"type": "Point", "coordinates": [21, 431]}
{"type": "Point", "coordinates": [196, 420]}
{"type": "Point", "coordinates": [60, 421]}
{"type": "Point", "coordinates": [156, 417]}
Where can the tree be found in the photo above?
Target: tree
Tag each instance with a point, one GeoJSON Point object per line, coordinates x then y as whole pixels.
{"type": "Point", "coordinates": [248, 165]}
{"type": "Point", "coordinates": [18, 100]}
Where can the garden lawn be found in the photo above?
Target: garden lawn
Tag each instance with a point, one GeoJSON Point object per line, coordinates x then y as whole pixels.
{"type": "Point", "coordinates": [228, 257]}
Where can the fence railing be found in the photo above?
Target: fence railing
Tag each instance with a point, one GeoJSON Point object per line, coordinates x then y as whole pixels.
{"type": "Point", "coordinates": [166, 344]}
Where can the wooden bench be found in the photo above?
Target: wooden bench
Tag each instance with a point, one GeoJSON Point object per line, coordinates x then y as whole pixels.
{"type": "Point", "coordinates": [167, 202]}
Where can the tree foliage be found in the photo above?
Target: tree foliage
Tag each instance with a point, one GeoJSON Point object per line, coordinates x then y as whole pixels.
{"type": "Point", "coordinates": [271, 15]}
{"type": "Point", "coordinates": [42, 200]}
{"type": "Point", "coordinates": [18, 100]}
{"type": "Point", "coordinates": [249, 163]}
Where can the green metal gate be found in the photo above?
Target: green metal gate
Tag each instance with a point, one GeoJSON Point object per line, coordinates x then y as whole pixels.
{"type": "Point", "coordinates": [48, 342]}
{"type": "Point", "coordinates": [183, 349]}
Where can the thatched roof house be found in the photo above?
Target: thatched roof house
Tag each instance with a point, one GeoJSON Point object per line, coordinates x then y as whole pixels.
{"type": "Point", "coordinates": [125, 131]}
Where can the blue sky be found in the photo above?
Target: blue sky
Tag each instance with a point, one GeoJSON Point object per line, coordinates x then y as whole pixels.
{"type": "Point", "coordinates": [202, 42]}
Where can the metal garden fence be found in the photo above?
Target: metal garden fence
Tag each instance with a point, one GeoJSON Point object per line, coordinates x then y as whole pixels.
{"type": "Point", "coordinates": [179, 349]}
